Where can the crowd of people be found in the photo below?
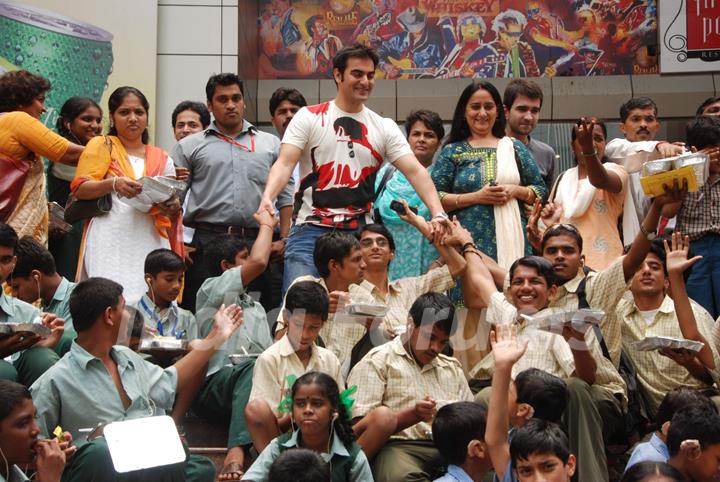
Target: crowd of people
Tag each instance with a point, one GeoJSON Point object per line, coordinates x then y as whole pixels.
{"type": "Point", "coordinates": [354, 303]}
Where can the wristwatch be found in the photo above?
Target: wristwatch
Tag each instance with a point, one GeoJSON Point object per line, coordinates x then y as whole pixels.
{"type": "Point", "coordinates": [649, 236]}
{"type": "Point", "coordinates": [442, 215]}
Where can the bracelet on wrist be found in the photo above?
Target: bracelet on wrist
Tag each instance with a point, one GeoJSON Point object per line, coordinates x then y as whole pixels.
{"type": "Point", "coordinates": [442, 215]}
{"type": "Point", "coordinates": [467, 245]}
{"type": "Point", "coordinates": [457, 201]}
{"type": "Point", "coordinates": [113, 184]}
{"type": "Point", "coordinates": [589, 154]}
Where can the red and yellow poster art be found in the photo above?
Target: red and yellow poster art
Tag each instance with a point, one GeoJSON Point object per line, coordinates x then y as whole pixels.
{"type": "Point", "coordinates": [441, 39]}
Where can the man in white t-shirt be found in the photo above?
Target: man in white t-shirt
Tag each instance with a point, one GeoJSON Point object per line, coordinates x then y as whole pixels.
{"type": "Point", "coordinates": [341, 145]}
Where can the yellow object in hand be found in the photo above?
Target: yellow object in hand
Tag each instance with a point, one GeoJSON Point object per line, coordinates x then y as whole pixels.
{"type": "Point", "coordinates": [59, 434]}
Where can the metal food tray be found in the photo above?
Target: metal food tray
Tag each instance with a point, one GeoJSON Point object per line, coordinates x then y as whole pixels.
{"type": "Point", "coordinates": [366, 309]}
{"type": "Point", "coordinates": [162, 344]}
{"type": "Point", "coordinates": [7, 329]}
{"type": "Point", "coordinates": [554, 321]}
{"type": "Point", "coordinates": [658, 342]}
{"type": "Point", "coordinates": [238, 358]}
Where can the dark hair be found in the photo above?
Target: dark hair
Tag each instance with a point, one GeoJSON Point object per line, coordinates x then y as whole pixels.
{"type": "Point", "coordinates": [116, 99]}
{"type": "Point", "coordinates": [455, 426]}
{"type": "Point", "coordinates": [703, 131]}
{"type": "Point", "coordinates": [539, 437]}
{"type": "Point", "coordinates": [658, 249]}
{"type": "Point", "coordinates": [693, 422]}
{"type": "Point", "coordinates": [310, 23]}
{"type": "Point", "coordinates": [644, 471]}
{"type": "Point", "coordinates": [224, 247]}
{"type": "Point", "coordinates": [329, 387]}
{"type": "Point", "coordinates": [678, 398]}
{"type": "Point", "coordinates": [636, 103]}
{"type": "Point", "coordinates": [459, 131]}
{"type": "Point", "coordinates": [283, 93]}
{"type": "Point", "coordinates": [547, 394]}
{"type": "Point", "coordinates": [562, 229]}
{"type": "Point", "coordinates": [431, 120]}
{"type": "Point", "coordinates": [32, 255]}
{"type": "Point", "coordinates": [90, 299]}
{"type": "Point", "coordinates": [524, 87]}
{"type": "Point", "coordinates": [198, 107]}
{"type": "Point", "coordinates": [309, 297]}
{"type": "Point", "coordinates": [332, 246]}
{"type": "Point", "coordinates": [380, 229]}
{"type": "Point", "coordinates": [163, 259]}
{"type": "Point", "coordinates": [544, 268]}
{"type": "Point", "coordinates": [358, 51]}
{"type": "Point", "coordinates": [224, 79]}
{"type": "Point", "coordinates": [20, 88]}
{"type": "Point", "coordinates": [706, 102]}
{"type": "Point", "coordinates": [12, 394]}
{"type": "Point", "coordinates": [435, 308]}
{"type": "Point", "coordinates": [8, 236]}
{"type": "Point", "coordinates": [299, 465]}
{"type": "Point", "coordinates": [71, 110]}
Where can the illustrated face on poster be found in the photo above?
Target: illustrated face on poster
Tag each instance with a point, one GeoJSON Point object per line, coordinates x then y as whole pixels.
{"type": "Point", "coordinates": [436, 39]}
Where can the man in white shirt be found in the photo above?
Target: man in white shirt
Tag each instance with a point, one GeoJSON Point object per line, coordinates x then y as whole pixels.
{"type": "Point", "coordinates": [341, 145]}
{"type": "Point", "coordinates": [639, 123]}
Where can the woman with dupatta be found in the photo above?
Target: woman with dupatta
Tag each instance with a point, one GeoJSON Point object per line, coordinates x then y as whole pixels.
{"type": "Point", "coordinates": [115, 244]}
{"type": "Point", "coordinates": [23, 139]}
{"type": "Point", "coordinates": [486, 178]}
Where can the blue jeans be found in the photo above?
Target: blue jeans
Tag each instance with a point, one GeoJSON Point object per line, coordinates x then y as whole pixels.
{"type": "Point", "coordinates": [703, 284]}
{"type": "Point", "coordinates": [299, 252]}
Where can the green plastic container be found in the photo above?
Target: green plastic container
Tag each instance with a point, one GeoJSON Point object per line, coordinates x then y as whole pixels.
{"type": "Point", "coordinates": [75, 56]}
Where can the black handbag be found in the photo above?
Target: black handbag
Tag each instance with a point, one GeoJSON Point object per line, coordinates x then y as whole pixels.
{"type": "Point", "coordinates": [78, 209]}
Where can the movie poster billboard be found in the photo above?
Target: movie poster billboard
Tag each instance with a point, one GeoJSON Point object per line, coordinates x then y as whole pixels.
{"type": "Point", "coordinates": [689, 36]}
{"type": "Point", "coordinates": [441, 39]}
{"type": "Point", "coordinates": [84, 47]}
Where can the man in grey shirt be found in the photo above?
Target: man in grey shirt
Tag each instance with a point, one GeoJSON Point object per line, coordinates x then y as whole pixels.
{"type": "Point", "coordinates": [229, 163]}
{"type": "Point", "coordinates": [523, 100]}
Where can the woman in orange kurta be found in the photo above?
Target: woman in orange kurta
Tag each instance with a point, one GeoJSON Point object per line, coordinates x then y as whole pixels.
{"type": "Point", "coordinates": [116, 243]}
{"type": "Point", "coordinates": [23, 139]}
{"type": "Point", "coordinates": [592, 196]}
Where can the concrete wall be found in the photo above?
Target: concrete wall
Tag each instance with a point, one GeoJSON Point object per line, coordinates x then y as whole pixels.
{"type": "Point", "coordinates": [196, 38]}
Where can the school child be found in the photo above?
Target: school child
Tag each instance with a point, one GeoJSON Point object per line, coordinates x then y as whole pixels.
{"type": "Point", "coordinates": [164, 273]}
{"type": "Point", "coordinates": [459, 435]}
{"type": "Point", "coordinates": [693, 442]}
{"type": "Point", "coordinates": [305, 313]}
{"type": "Point", "coordinates": [540, 450]}
{"type": "Point", "coordinates": [533, 393]}
{"type": "Point", "coordinates": [655, 449]}
{"type": "Point", "coordinates": [320, 417]}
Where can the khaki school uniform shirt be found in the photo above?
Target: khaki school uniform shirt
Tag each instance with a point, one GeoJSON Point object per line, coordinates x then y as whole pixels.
{"type": "Point", "coordinates": [550, 352]}
{"type": "Point", "coordinates": [390, 376]}
{"type": "Point", "coordinates": [402, 293]}
{"type": "Point", "coordinates": [280, 360]}
{"type": "Point", "coordinates": [659, 374]}
{"type": "Point", "coordinates": [603, 291]}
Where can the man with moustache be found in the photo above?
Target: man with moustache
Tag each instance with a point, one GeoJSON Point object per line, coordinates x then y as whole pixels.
{"type": "Point", "coordinates": [228, 165]}
{"type": "Point", "coordinates": [639, 123]}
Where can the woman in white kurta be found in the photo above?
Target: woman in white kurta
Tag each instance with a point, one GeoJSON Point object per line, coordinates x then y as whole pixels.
{"type": "Point", "coordinates": [116, 244]}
